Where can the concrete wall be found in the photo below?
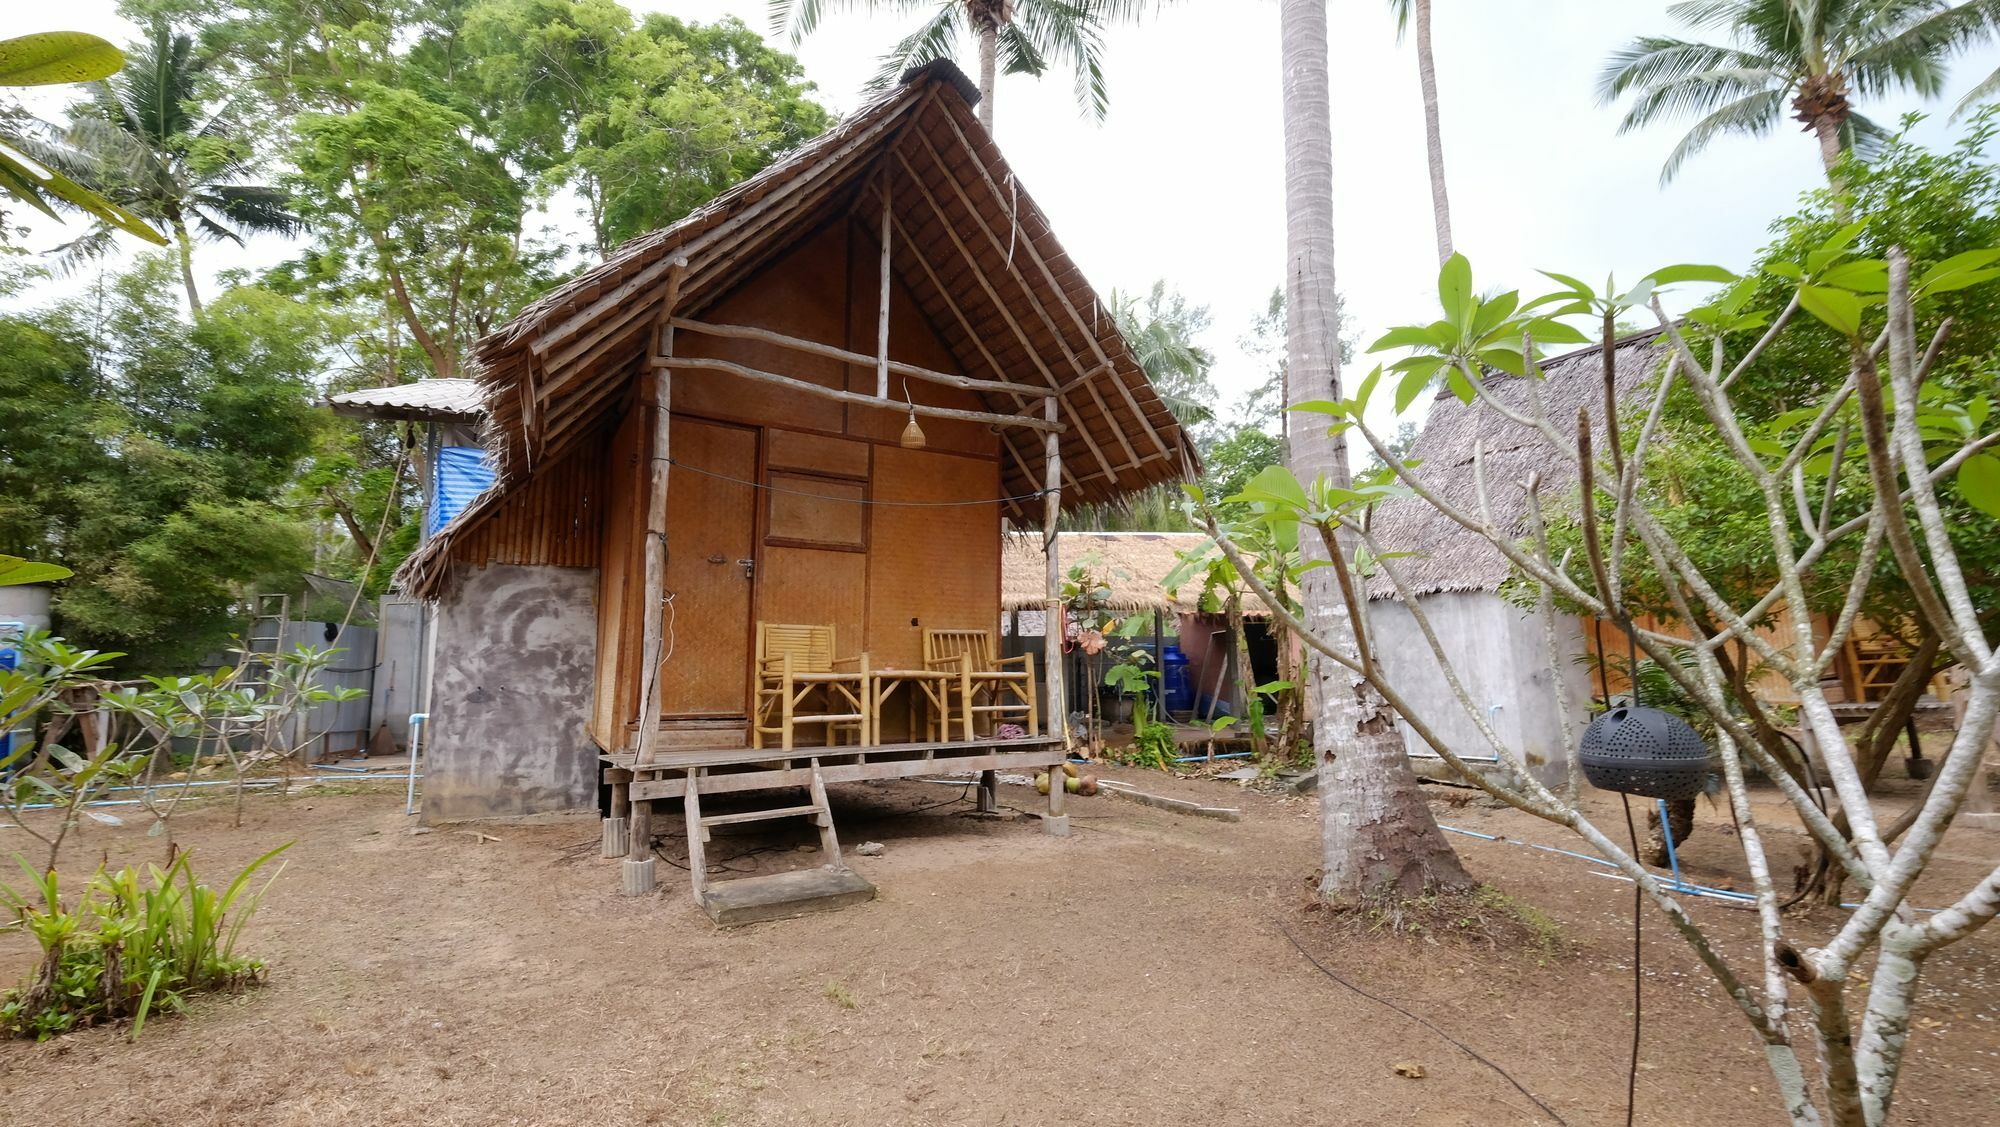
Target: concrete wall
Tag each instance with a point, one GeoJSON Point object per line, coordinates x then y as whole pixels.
{"type": "Point", "coordinates": [1500, 657]}
{"type": "Point", "coordinates": [399, 653]}
{"type": "Point", "coordinates": [27, 604]}
{"type": "Point", "coordinates": [515, 650]}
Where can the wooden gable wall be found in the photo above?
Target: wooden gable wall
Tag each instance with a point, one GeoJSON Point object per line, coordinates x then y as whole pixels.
{"type": "Point", "coordinates": [879, 574]}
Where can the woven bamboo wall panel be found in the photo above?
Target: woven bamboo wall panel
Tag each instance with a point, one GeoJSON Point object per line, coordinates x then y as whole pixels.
{"type": "Point", "coordinates": [802, 294]}
{"type": "Point", "coordinates": [817, 512]}
{"type": "Point", "coordinates": [711, 530]}
{"type": "Point", "coordinates": [554, 520]}
{"type": "Point", "coordinates": [618, 580]}
{"type": "Point", "coordinates": [815, 453]}
{"type": "Point", "coordinates": [813, 587]}
{"type": "Point", "coordinates": [936, 567]}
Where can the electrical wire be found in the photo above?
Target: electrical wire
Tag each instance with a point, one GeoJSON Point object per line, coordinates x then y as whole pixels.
{"type": "Point", "coordinates": [1381, 1001]}
{"type": "Point", "coordinates": [859, 500]}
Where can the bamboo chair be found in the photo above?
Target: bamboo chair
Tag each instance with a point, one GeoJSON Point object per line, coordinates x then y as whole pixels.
{"type": "Point", "coordinates": [796, 664]}
{"type": "Point", "coordinates": [994, 688]}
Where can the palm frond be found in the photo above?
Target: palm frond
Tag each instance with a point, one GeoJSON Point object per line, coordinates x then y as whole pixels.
{"type": "Point", "coordinates": [212, 231]}
{"type": "Point", "coordinates": [1710, 13]}
{"type": "Point", "coordinates": [936, 39]}
{"type": "Point", "coordinates": [1699, 94]}
{"type": "Point", "coordinates": [1072, 32]}
{"type": "Point", "coordinates": [1754, 115]}
{"type": "Point", "coordinates": [1652, 61]}
{"type": "Point", "coordinates": [1864, 137]}
{"type": "Point", "coordinates": [1401, 9]}
{"type": "Point", "coordinates": [1891, 50]}
{"type": "Point", "coordinates": [1987, 89]}
{"type": "Point", "coordinates": [67, 259]}
{"type": "Point", "coordinates": [254, 207]}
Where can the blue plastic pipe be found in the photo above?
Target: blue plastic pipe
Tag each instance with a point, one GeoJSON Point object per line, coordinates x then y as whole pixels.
{"type": "Point", "coordinates": [1667, 834]}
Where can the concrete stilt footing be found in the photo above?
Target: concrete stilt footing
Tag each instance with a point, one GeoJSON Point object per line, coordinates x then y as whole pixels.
{"type": "Point", "coordinates": [1055, 825]}
{"type": "Point", "coordinates": [614, 838]}
{"type": "Point", "coordinates": [637, 877]}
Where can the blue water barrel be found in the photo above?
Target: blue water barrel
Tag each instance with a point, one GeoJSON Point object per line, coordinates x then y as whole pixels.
{"type": "Point", "coordinates": [1179, 689]}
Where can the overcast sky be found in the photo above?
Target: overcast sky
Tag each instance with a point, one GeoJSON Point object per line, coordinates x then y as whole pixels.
{"type": "Point", "coordinates": [1184, 181]}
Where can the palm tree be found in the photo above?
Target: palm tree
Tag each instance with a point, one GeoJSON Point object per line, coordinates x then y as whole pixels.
{"type": "Point", "coordinates": [1808, 56]}
{"type": "Point", "coordinates": [1419, 12]}
{"type": "Point", "coordinates": [1160, 329]}
{"type": "Point", "coordinates": [1376, 833]}
{"type": "Point", "coordinates": [42, 181]}
{"type": "Point", "coordinates": [1015, 36]}
{"type": "Point", "coordinates": [156, 149]}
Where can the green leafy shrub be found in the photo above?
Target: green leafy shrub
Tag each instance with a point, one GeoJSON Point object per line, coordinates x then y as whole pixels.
{"type": "Point", "coordinates": [131, 945]}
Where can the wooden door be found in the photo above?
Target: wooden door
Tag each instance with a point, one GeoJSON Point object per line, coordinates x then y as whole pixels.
{"type": "Point", "coordinates": [711, 539]}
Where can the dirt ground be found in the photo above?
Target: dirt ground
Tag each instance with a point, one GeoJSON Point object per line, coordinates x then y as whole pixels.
{"type": "Point", "coordinates": [1137, 972]}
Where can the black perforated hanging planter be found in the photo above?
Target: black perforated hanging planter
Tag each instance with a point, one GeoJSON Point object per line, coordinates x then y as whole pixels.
{"type": "Point", "coordinates": [1644, 751]}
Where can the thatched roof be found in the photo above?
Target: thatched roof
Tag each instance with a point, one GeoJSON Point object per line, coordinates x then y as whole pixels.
{"type": "Point", "coordinates": [1132, 564]}
{"type": "Point", "coordinates": [969, 244]}
{"type": "Point", "coordinates": [452, 401]}
{"type": "Point", "coordinates": [1454, 559]}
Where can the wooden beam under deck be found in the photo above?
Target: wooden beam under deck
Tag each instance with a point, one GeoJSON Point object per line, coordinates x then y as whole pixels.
{"type": "Point", "coordinates": [666, 777]}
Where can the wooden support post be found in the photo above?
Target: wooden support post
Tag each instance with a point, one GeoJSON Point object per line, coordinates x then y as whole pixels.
{"type": "Point", "coordinates": [615, 827]}
{"type": "Point", "coordinates": [638, 874]}
{"type": "Point", "coordinates": [882, 315]}
{"type": "Point", "coordinates": [1057, 822]}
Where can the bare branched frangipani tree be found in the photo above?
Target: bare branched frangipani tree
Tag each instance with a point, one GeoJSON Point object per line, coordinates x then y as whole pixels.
{"type": "Point", "coordinates": [1881, 446]}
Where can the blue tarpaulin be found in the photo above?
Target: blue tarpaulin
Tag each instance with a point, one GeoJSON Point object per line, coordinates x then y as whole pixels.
{"type": "Point", "coordinates": [463, 472]}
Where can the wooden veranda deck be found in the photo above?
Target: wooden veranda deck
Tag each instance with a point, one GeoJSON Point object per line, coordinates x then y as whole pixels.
{"type": "Point", "coordinates": [733, 769]}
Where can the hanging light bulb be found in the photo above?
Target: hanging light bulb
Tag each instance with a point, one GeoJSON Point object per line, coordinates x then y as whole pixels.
{"type": "Point", "coordinates": [913, 435]}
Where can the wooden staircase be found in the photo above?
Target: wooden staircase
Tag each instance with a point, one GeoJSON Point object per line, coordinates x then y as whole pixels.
{"type": "Point", "coordinates": [744, 900]}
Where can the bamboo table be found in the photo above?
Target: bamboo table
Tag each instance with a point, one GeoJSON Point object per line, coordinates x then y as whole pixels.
{"type": "Point", "coordinates": [933, 685]}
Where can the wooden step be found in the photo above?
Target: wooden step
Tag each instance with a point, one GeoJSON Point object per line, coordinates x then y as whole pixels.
{"type": "Point", "coordinates": [783, 895]}
{"type": "Point", "coordinates": [758, 815]}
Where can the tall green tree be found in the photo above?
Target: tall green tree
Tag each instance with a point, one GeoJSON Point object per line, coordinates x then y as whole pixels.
{"type": "Point", "coordinates": [1418, 12]}
{"type": "Point", "coordinates": [645, 122]}
{"type": "Point", "coordinates": [1377, 835]}
{"type": "Point", "coordinates": [1012, 36]}
{"type": "Point", "coordinates": [149, 455]}
{"type": "Point", "coordinates": [1811, 57]}
{"type": "Point", "coordinates": [159, 142]}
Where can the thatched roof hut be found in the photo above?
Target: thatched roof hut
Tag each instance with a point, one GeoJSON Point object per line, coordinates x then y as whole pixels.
{"type": "Point", "coordinates": [1454, 559]}
{"type": "Point", "coordinates": [1132, 564]}
{"type": "Point", "coordinates": [972, 249]}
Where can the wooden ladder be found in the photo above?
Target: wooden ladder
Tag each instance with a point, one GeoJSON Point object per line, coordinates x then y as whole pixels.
{"type": "Point", "coordinates": [698, 824]}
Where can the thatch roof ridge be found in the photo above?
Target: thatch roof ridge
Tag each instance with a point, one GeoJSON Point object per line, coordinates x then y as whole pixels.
{"type": "Point", "coordinates": [1131, 564]}
{"type": "Point", "coordinates": [553, 374]}
{"type": "Point", "coordinates": [1453, 558]}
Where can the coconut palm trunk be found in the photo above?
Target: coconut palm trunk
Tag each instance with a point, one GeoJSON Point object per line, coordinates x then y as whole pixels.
{"type": "Point", "coordinates": [1377, 835]}
{"type": "Point", "coordinates": [184, 244]}
{"type": "Point", "coordinates": [987, 16]}
{"type": "Point", "coordinates": [1427, 79]}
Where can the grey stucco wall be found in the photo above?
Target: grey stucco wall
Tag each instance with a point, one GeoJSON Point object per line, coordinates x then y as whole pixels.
{"type": "Point", "coordinates": [514, 660]}
{"type": "Point", "coordinates": [27, 604]}
{"type": "Point", "coordinates": [1499, 655]}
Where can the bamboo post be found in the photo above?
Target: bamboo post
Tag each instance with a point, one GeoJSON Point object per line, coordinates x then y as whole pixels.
{"type": "Point", "coordinates": [882, 314]}
{"type": "Point", "coordinates": [1057, 822]}
{"type": "Point", "coordinates": [638, 876]}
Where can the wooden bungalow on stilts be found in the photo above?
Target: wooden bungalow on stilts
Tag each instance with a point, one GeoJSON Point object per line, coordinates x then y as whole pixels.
{"type": "Point", "coordinates": [752, 478]}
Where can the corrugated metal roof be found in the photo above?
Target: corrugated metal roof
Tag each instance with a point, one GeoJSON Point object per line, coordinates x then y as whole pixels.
{"type": "Point", "coordinates": [440, 400]}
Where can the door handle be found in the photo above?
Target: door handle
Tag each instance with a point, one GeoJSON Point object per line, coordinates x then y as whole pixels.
{"type": "Point", "coordinates": [749, 568]}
